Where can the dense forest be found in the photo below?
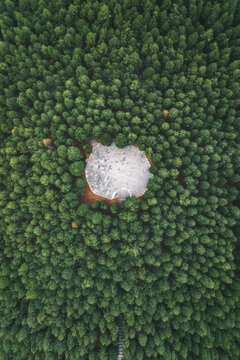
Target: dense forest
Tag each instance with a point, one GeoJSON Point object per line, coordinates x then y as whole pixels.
{"type": "Point", "coordinates": [164, 75]}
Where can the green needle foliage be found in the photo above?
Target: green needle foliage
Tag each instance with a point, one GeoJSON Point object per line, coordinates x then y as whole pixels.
{"type": "Point", "coordinates": [75, 70]}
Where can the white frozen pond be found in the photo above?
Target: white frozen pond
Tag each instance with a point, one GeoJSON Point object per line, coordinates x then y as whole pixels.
{"type": "Point", "coordinates": [112, 172]}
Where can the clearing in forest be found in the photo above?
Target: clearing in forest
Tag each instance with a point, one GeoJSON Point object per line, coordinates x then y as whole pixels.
{"type": "Point", "coordinates": [113, 174]}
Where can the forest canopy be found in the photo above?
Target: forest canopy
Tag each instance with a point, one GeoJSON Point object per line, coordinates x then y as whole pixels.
{"type": "Point", "coordinates": [161, 74]}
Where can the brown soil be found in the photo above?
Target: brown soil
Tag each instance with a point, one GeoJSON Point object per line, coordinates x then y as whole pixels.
{"type": "Point", "coordinates": [89, 197]}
